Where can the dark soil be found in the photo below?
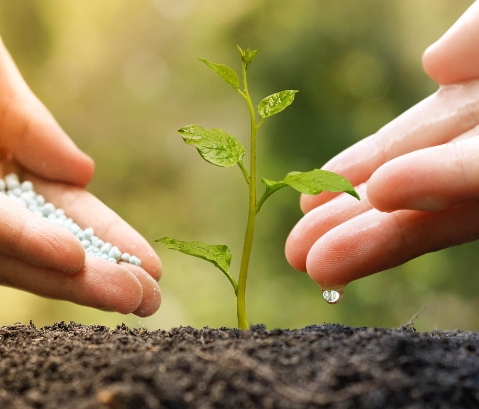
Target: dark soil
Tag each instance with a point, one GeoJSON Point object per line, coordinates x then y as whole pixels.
{"type": "Point", "coordinates": [327, 366]}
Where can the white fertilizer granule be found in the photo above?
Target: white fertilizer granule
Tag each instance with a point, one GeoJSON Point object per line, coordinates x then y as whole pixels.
{"type": "Point", "coordinates": [23, 193]}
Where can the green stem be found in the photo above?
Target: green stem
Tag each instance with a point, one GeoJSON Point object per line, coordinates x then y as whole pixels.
{"type": "Point", "coordinates": [244, 172]}
{"type": "Point", "coordinates": [260, 123]}
{"type": "Point", "coordinates": [248, 240]}
{"type": "Point", "coordinates": [267, 194]}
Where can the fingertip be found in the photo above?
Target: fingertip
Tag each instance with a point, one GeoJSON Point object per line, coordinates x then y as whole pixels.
{"type": "Point", "coordinates": [321, 264]}
{"type": "Point", "coordinates": [146, 309]}
{"type": "Point", "coordinates": [32, 134]}
{"type": "Point", "coordinates": [431, 64]}
{"type": "Point", "coordinates": [453, 58]}
{"type": "Point", "coordinates": [47, 140]}
{"type": "Point", "coordinates": [348, 252]}
{"type": "Point", "coordinates": [45, 244]}
{"type": "Point", "coordinates": [85, 167]}
{"type": "Point", "coordinates": [436, 64]}
{"type": "Point", "coordinates": [76, 255]}
{"type": "Point", "coordinates": [320, 221]}
{"type": "Point", "coordinates": [151, 299]}
{"type": "Point", "coordinates": [112, 287]}
{"type": "Point", "coordinates": [298, 263]}
{"type": "Point", "coordinates": [295, 255]}
{"type": "Point", "coordinates": [375, 193]}
{"type": "Point", "coordinates": [392, 184]}
{"type": "Point", "coordinates": [306, 203]}
{"type": "Point", "coordinates": [69, 253]}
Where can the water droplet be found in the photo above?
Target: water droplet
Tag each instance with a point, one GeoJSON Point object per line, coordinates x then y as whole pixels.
{"type": "Point", "coordinates": [332, 296]}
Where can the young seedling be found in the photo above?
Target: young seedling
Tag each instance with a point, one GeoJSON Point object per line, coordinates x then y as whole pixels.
{"type": "Point", "coordinates": [221, 149]}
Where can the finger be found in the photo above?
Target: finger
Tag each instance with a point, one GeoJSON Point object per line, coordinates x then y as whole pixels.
{"type": "Point", "coordinates": [450, 112]}
{"type": "Point", "coordinates": [319, 221]}
{"type": "Point", "coordinates": [100, 284]}
{"type": "Point", "coordinates": [30, 134]}
{"type": "Point", "coordinates": [358, 247]}
{"type": "Point", "coordinates": [429, 179]}
{"type": "Point", "coordinates": [151, 300]}
{"type": "Point", "coordinates": [37, 241]}
{"type": "Point", "coordinates": [87, 211]}
{"type": "Point", "coordinates": [454, 57]}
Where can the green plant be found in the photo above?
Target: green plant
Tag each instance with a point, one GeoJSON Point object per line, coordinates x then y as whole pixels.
{"type": "Point", "coordinates": [221, 149]}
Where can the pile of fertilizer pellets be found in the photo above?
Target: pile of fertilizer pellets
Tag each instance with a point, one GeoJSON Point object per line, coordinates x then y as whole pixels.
{"type": "Point", "coordinates": [23, 193]}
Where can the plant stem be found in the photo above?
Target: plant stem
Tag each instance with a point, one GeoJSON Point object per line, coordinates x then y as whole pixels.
{"type": "Point", "coordinates": [244, 172]}
{"type": "Point", "coordinates": [248, 240]}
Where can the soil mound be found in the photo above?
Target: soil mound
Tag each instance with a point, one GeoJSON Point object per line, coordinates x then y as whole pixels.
{"type": "Point", "coordinates": [325, 366]}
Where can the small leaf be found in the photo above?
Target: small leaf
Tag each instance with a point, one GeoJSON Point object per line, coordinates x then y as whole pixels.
{"type": "Point", "coordinates": [225, 72]}
{"type": "Point", "coordinates": [276, 103]}
{"type": "Point", "coordinates": [214, 145]}
{"type": "Point", "coordinates": [247, 56]}
{"type": "Point", "coordinates": [313, 183]}
{"type": "Point", "coordinates": [219, 255]}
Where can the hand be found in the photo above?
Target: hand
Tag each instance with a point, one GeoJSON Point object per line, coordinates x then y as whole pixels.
{"type": "Point", "coordinates": [41, 257]}
{"type": "Point", "coordinates": [418, 178]}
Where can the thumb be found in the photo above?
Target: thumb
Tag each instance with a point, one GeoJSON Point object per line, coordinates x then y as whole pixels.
{"type": "Point", "coordinates": [429, 179]}
{"type": "Point", "coordinates": [37, 241]}
{"type": "Point", "coordinates": [30, 135]}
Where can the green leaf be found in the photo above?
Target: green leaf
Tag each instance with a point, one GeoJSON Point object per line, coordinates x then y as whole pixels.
{"type": "Point", "coordinates": [276, 103]}
{"type": "Point", "coordinates": [219, 255]}
{"type": "Point", "coordinates": [214, 145]}
{"type": "Point", "coordinates": [310, 183]}
{"type": "Point", "coordinates": [315, 182]}
{"type": "Point", "coordinates": [225, 72]}
{"type": "Point", "coordinates": [247, 56]}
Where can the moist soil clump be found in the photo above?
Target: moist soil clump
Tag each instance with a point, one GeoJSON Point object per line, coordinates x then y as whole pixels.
{"type": "Point", "coordinates": [325, 366]}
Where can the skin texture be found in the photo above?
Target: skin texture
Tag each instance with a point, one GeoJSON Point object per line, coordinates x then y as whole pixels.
{"type": "Point", "coordinates": [418, 177]}
{"type": "Point", "coordinates": [41, 257]}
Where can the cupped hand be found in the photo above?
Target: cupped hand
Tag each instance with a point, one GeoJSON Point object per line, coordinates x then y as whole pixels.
{"type": "Point", "coordinates": [418, 178]}
{"type": "Point", "coordinates": [41, 257]}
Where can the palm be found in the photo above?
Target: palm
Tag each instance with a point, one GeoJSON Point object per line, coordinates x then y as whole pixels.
{"type": "Point", "coordinates": [41, 257]}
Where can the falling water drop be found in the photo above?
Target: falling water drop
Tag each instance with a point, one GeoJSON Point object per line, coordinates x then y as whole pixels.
{"type": "Point", "coordinates": [332, 296]}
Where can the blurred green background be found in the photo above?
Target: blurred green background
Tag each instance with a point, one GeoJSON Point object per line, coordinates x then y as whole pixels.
{"type": "Point", "coordinates": [122, 76]}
